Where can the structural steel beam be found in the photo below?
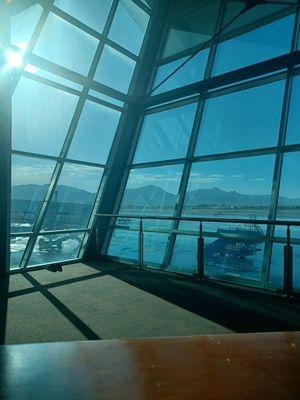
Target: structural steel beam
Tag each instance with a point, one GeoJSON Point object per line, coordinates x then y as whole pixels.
{"type": "Point", "coordinates": [265, 67]}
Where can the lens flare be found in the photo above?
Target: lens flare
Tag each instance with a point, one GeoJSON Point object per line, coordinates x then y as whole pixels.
{"type": "Point", "coordinates": [13, 59]}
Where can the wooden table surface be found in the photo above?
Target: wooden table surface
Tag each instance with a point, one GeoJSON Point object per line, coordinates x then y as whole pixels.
{"type": "Point", "coordinates": [239, 366]}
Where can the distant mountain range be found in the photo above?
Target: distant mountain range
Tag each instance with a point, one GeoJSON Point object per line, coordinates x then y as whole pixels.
{"type": "Point", "coordinates": [154, 196]}
{"type": "Point", "coordinates": [64, 193]}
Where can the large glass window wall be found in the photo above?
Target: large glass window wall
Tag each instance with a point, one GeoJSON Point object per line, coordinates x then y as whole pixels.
{"type": "Point", "coordinates": [230, 151]}
{"type": "Point", "coordinates": [235, 149]}
{"type": "Point", "coordinates": [72, 64]}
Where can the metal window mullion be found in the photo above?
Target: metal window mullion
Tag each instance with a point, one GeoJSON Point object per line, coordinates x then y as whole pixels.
{"type": "Point", "coordinates": [142, 6]}
{"type": "Point", "coordinates": [59, 166]}
{"type": "Point", "coordinates": [104, 103]}
{"type": "Point", "coordinates": [174, 104]}
{"type": "Point", "coordinates": [279, 161]}
{"type": "Point", "coordinates": [248, 84]}
{"type": "Point", "coordinates": [236, 154]}
{"type": "Point", "coordinates": [192, 145]}
{"type": "Point", "coordinates": [63, 72]}
{"type": "Point", "coordinates": [48, 82]}
{"type": "Point", "coordinates": [233, 88]}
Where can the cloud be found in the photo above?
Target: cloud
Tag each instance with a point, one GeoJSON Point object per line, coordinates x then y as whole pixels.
{"type": "Point", "coordinates": [200, 178]}
{"type": "Point", "coordinates": [217, 176]}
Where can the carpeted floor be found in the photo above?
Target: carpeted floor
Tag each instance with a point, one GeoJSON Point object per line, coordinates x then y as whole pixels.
{"type": "Point", "coordinates": [105, 301]}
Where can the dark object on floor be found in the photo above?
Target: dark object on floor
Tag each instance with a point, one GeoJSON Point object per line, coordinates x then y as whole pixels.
{"type": "Point", "coordinates": [55, 267]}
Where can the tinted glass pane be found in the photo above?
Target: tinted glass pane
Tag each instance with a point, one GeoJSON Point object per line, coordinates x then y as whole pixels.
{"type": "Point", "coordinates": [66, 45]}
{"type": "Point", "coordinates": [129, 26]}
{"type": "Point", "coordinates": [40, 112]}
{"type": "Point", "coordinates": [289, 194]}
{"type": "Point", "coordinates": [54, 248]}
{"type": "Point", "coordinates": [30, 180]}
{"type": "Point", "coordinates": [17, 247]}
{"type": "Point", "coordinates": [276, 271]}
{"type": "Point", "coordinates": [165, 135]}
{"type": "Point", "coordinates": [253, 15]}
{"type": "Point", "coordinates": [243, 120]}
{"type": "Point", "coordinates": [237, 256]}
{"type": "Point", "coordinates": [152, 191]}
{"type": "Point", "coordinates": [184, 257]}
{"type": "Point", "coordinates": [124, 244]}
{"type": "Point", "coordinates": [23, 25]}
{"type": "Point", "coordinates": [115, 69]}
{"type": "Point", "coordinates": [234, 188]}
{"type": "Point", "coordinates": [269, 41]}
{"type": "Point", "coordinates": [293, 132]}
{"type": "Point", "coordinates": [93, 12]}
{"type": "Point", "coordinates": [194, 26]}
{"type": "Point", "coordinates": [94, 134]}
{"type": "Point", "coordinates": [192, 71]}
{"type": "Point", "coordinates": [74, 196]}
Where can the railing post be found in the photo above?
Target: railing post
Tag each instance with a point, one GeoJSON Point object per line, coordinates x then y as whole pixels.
{"type": "Point", "coordinates": [288, 265]}
{"type": "Point", "coordinates": [200, 254]}
{"type": "Point", "coordinates": [141, 245]}
{"type": "Point", "coordinates": [97, 232]}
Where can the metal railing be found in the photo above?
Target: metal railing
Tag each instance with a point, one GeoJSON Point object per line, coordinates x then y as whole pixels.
{"type": "Point", "coordinates": [200, 275]}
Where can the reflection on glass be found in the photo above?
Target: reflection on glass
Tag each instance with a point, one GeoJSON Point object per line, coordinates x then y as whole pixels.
{"type": "Point", "coordinates": [66, 45]}
{"type": "Point", "coordinates": [276, 271]}
{"type": "Point", "coordinates": [165, 135]}
{"type": "Point", "coordinates": [129, 26]}
{"type": "Point", "coordinates": [74, 196]}
{"type": "Point", "coordinates": [124, 244]}
{"type": "Point", "coordinates": [242, 120]}
{"type": "Point", "coordinates": [22, 25]}
{"type": "Point", "coordinates": [17, 248]}
{"type": "Point", "coordinates": [92, 13]}
{"type": "Point", "coordinates": [191, 72]}
{"type": "Point", "coordinates": [293, 133]}
{"type": "Point", "coordinates": [54, 248]}
{"type": "Point", "coordinates": [258, 45]}
{"type": "Point", "coordinates": [40, 112]}
{"type": "Point", "coordinates": [184, 257]}
{"type": "Point", "coordinates": [232, 254]}
{"type": "Point", "coordinates": [115, 70]}
{"type": "Point", "coordinates": [192, 27]}
{"type": "Point", "coordinates": [30, 180]}
{"type": "Point", "coordinates": [151, 191]}
{"type": "Point", "coordinates": [94, 133]}
{"type": "Point", "coordinates": [289, 195]}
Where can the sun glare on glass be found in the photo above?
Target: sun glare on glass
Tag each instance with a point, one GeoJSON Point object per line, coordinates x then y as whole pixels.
{"type": "Point", "coordinates": [14, 59]}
